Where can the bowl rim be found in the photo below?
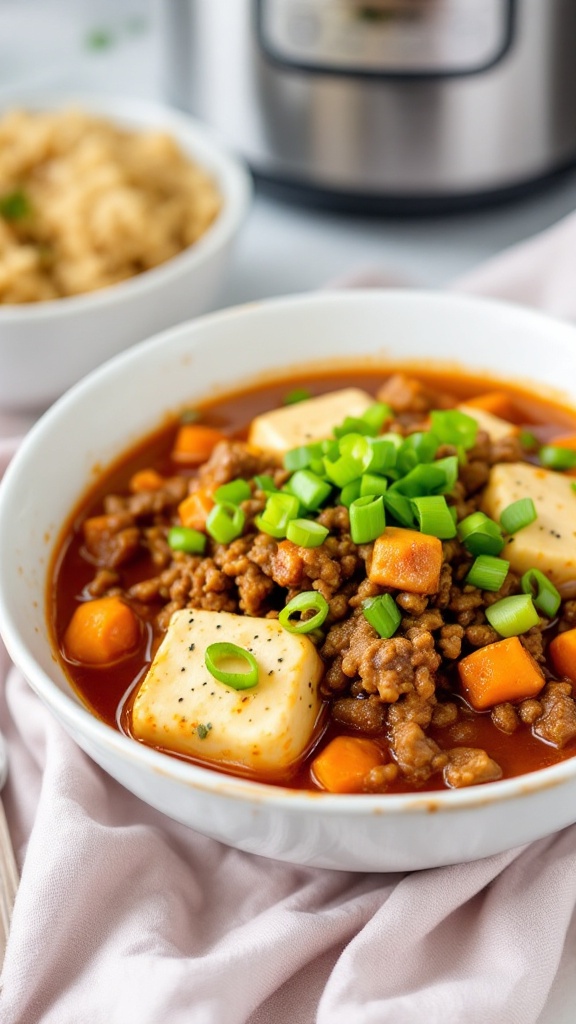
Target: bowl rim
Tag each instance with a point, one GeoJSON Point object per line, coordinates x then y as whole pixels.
{"type": "Point", "coordinates": [206, 779]}
{"type": "Point", "coordinates": [213, 155]}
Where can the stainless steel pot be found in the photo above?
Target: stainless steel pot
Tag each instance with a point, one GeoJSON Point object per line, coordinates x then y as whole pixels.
{"type": "Point", "coordinates": [401, 105]}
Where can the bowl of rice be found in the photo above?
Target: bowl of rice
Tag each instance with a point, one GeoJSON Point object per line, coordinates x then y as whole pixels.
{"type": "Point", "coordinates": [117, 219]}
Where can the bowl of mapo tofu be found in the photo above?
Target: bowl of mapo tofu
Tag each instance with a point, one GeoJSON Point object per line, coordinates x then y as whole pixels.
{"type": "Point", "coordinates": [116, 221]}
{"type": "Point", "coordinates": [322, 610]}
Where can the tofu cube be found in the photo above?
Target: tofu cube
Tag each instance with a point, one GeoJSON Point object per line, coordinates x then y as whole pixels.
{"type": "Point", "coordinates": [495, 426]}
{"type": "Point", "coordinates": [181, 707]}
{"type": "Point", "coordinates": [280, 430]}
{"type": "Point", "coordinates": [549, 543]}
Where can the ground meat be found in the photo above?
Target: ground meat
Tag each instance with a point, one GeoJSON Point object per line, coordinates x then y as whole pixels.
{"type": "Point", "coordinates": [366, 715]}
{"type": "Point", "coordinates": [429, 620]}
{"type": "Point", "coordinates": [474, 475]}
{"type": "Point", "coordinates": [396, 666]}
{"type": "Point", "coordinates": [533, 641]}
{"type": "Point", "coordinates": [469, 766]}
{"type": "Point", "coordinates": [405, 394]}
{"type": "Point", "coordinates": [111, 540]}
{"type": "Point", "coordinates": [557, 723]}
{"type": "Point", "coordinates": [568, 619]}
{"type": "Point", "coordinates": [379, 778]}
{"type": "Point", "coordinates": [444, 715]}
{"type": "Point", "coordinates": [442, 598]}
{"type": "Point", "coordinates": [417, 756]}
{"type": "Point", "coordinates": [505, 718]}
{"type": "Point", "coordinates": [229, 460]}
{"type": "Point", "coordinates": [147, 591]}
{"type": "Point", "coordinates": [416, 604]}
{"type": "Point", "coordinates": [479, 636]}
{"type": "Point", "coordinates": [450, 641]}
{"type": "Point", "coordinates": [529, 710]}
{"type": "Point", "coordinates": [411, 708]}
{"type": "Point", "coordinates": [254, 590]}
{"type": "Point", "coordinates": [506, 449]}
{"type": "Point", "coordinates": [103, 582]}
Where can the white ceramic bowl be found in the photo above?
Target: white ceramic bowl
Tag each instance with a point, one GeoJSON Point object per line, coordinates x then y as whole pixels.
{"type": "Point", "coordinates": [47, 346]}
{"type": "Point", "coordinates": [137, 389]}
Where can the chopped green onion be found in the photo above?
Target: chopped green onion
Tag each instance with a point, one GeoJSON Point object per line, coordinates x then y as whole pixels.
{"type": "Point", "coordinates": [299, 458]}
{"type": "Point", "coordinates": [14, 205]}
{"type": "Point", "coordinates": [371, 483]}
{"type": "Point", "coordinates": [449, 466]}
{"type": "Point", "coordinates": [355, 425]}
{"type": "Point", "coordinates": [308, 601]}
{"type": "Point", "coordinates": [350, 492]}
{"type": "Point", "coordinates": [277, 513]}
{"type": "Point", "coordinates": [480, 535]}
{"type": "Point", "coordinates": [184, 538]}
{"type": "Point", "coordinates": [225, 522]}
{"type": "Point", "coordinates": [488, 573]}
{"type": "Point", "coordinates": [434, 516]}
{"type": "Point", "coordinates": [400, 508]}
{"type": "Point", "coordinates": [422, 480]}
{"type": "Point", "coordinates": [383, 613]}
{"type": "Point", "coordinates": [418, 448]}
{"type": "Point", "coordinates": [451, 426]}
{"type": "Point", "coordinates": [329, 447]}
{"type": "Point", "coordinates": [235, 492]}
{"type": "Point", "coordinates": [358, 447]}
{"type": "Point", "coordinates": [377, 414]}
{"type": "Point", "coordinates": [343, 470]}
{"type": "Point", "coordinates": [512, 615]}
{"type": "Point", "coordinates": [309, 489]}
{"type": "Point", "coordinates": [306, 533]}
{"type": "Point", "coordinates": [297, 395]}
{"type": "Point", "coordinates": [384, 452]}
{"type": "Point", "coordinates": [367, 518]}
{"type": "Point", "coordinates": [528, 440]}
{"type": "Point", "coordinates": [223, 652]}
{"type": "Point", "coordinates": [557, 458]}
{"type": "Point", "coordinates": [518, 515]}
{"type": "Point", "coordinates": [265, 483]}
{"type": "Point", "coordinates": [542, 591]}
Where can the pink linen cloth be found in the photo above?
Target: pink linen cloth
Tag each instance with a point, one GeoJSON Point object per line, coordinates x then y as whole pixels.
{"type": "Point", "coordinates": [125, 917]}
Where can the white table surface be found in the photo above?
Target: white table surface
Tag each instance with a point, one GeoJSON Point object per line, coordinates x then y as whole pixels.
{"type": "Point", "coordinates": [283, 248]}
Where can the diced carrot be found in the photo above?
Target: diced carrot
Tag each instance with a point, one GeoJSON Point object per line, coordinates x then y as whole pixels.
{"type": "Point", "coordinates": [195, 509]}
{"type": "Point", "coordinates": [504, 671]}
{"type": "Point", "coordinates": [496, 402]}
{"type": "Point", "coordinates": [146, 480]}
{"type": "Point", "coordinates": [101, 632]}
{"type": "Point", "coordinates": [194, 443]}
{"type": "Point", "coordinates": [406, 560]}
{"type": "Point", "coordinates": [344, 763]}
{"type": "Point", "coordinates": [564, 441]}
{"type": "Point", "coordinates": [563, 654]}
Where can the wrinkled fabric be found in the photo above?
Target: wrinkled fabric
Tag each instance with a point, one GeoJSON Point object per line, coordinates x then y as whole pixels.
{"type": "Point", "coordinates": [125, 916]}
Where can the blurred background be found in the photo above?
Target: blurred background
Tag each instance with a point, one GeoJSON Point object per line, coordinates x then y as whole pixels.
{"type": "Point", "coordinates": [292, 85]}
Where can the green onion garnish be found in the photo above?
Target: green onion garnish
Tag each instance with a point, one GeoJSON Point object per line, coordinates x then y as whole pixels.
{"type": "Point", "coordinates": [513, 615]}
{"type": "Point", "coordinates": [376, 415]}
{"type": "Point", "coordinates": [299, 458]}
{"type": "Point", "coordinates": [528, 440]}
{"type": "Point", "coordinates": [488, 573]}
{"type": "Point", "coordinates": [225, 522]}
{"type": "Point", "coordinates": [350, 492]}
{"type": "Point", "coordinates": [557, 458]}
{"type": "Point", "coordinates": [355, 425]}
{"type": "Point", "coordinates": [309, 489]}
{"type": "Point", "coordinates": [449, 466]}
{"type": "Point", "coordinates": [480, 535]}
{"type": "Point", "coordinates": [371, 483]}
{"type": "Point", "coordinates": [345, 469]}
{"type": "Point", "coordinates": [234, 493]}
{"type": "Point", "coordinates": [423, 479]}
{"type": "Point", "coordinates": [265, 483]}
{"type": "Point", "coordinates": [383, 613]}
{"type": "Point", "coordinates": [451, 426]}
{"type": "Point", "coordinates": [384, 452]}
{"type": "Point", "coordinates": [279, 510]}
{"type": "Point", "coordinates": [14, 205]}
{"type": "Point", "coordinates": [434, 516]}
{"type": "Point", "coordinates": [306, 533]}
{"type": "Point", "coordinates": [400, 508]}
{"type": "Point", "coordinates": [518, 515]}
{"type": "Point", "coordinates": [420, 447]}
{"type": "Point", "coordinates": [367, 518]}
{"type": "Point", "coordinates": [297, 395]}
{"type": "Point", "coordinates": [309, 600]}
{"type": "Point", "coordinates": [184, 538]}
{"type": "Point", "coordinates": [542, 591]}
{"type": "Point", "coordinates": [223, 652]}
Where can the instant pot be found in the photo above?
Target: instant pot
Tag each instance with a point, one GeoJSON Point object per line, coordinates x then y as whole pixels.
{"type": "Point", "coordinates": [392, 105]}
